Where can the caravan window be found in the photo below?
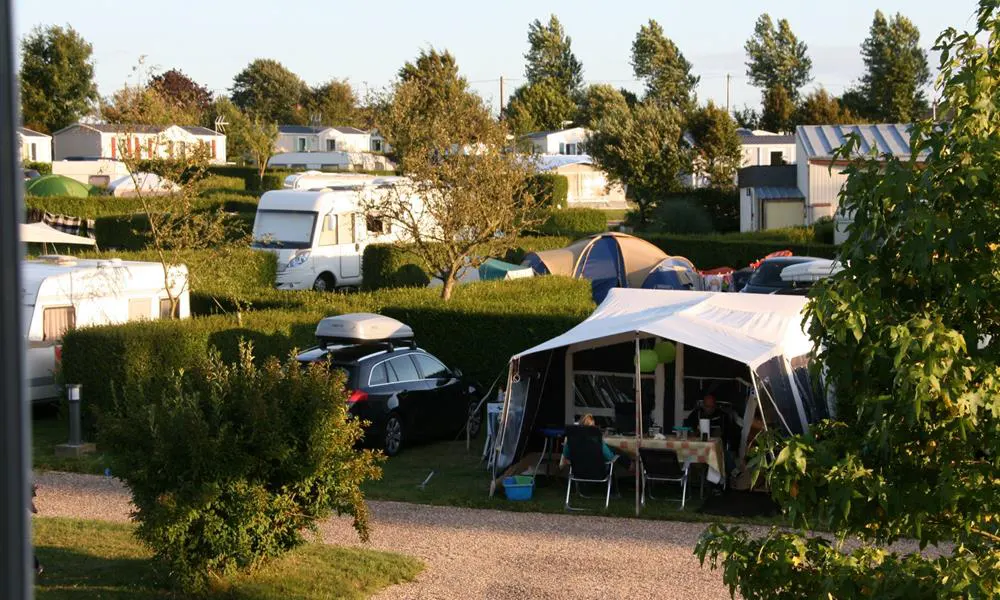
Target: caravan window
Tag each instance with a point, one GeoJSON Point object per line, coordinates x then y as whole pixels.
{"type": "Point", "coordinates": [328, 235]}
{"type": "Point", "coordinates": [165, 309]}
{"type": "Point", "coordinates": [284, 229]}
{"type": "Point", "coordinates": [56, 321]}
{"type": "Point", "coordinates": [139, 309]}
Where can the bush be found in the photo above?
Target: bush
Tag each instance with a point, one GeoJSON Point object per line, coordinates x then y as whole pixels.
{"type": "Point", "coordinates": [273, 178]}
{"type": "Point", "coordinates": [681, 215]}
{"type": "Point", "coordinates": [390, 266]}
{"type": "Point", "coordinates": [575, 222]}
{"type": "Point", "coordinates": [710, 251]}
{"type": "Point", "coordinates": [43, 168]}
{"type": "Point", "coordinates": [224, 182]}
{"type": "Point", "coordinates": [230, 464]}
{"type": "Point", "coordinates": [550, 190]}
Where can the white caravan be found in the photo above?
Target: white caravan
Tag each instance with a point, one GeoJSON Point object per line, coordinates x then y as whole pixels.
{"type": "Point", "coordinates": [60, 293]}
{"type": "Point", "coordinates": [316, 180]}
{"type": "Point", "coordinates": [319, 236]}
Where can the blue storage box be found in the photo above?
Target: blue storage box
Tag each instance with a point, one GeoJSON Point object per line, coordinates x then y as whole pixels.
{"type": "Point", "coordinates": [518, 487]}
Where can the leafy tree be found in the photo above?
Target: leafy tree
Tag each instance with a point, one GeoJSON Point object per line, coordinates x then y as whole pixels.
{"type": "Point", "coordinates": [550, 56]}
{"type": "Point", "coordinates": [57, 78]}
{"type": "Point", "coordinates": [474, 197]}
{"type": "Point", "coordinates": [141, 105]}
{"type": "Point", "coordinates": [747, 117]}
{"type": "Point", "coordinates": [269, 90]}
{"type": "Point", "coordinates": [896, 72]}
{"type": "Point", "coordinates": [819, 107]}
{"type": "Point", "coordinates": [914, 449]}
{"type": "Point", "coordinates": [539, 106]}
{"type": "Point", "coordinates": [778, 112]}
{"type": "Point", "coordinates": [232, 464]}
{"type": "Point", "coordinates": [259, 137]}
{"type": "Point", "coordinates": [718, 151]}
{"type": "Point", "coordinates": [776, 57]}
{"type": "Point", "coordinates": [335, 103]}
{"type": "Point", "coordinates": [600, 100]}
{"type": "Point", "coordinates": [666, 73]}
{"type": "Point", "coordinates": [640, 148]}
{"type": "Point", "coordinates": [184, 93]}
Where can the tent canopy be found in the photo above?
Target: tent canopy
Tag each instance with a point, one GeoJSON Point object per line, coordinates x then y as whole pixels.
{"type": "Point", "coordinates": [492, 268]}
{"type": "Point", "coordinates": [40, 233]}
{"type": "Point", "coordinates": [148, 183]}
{"type": "Point", "coordinates": [749, 328]}
{"type": "Point", "coordinates": [57, 185]}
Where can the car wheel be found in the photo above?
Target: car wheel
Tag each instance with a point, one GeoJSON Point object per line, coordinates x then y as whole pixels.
{"type": "Point", "coordinates": [393, 440]}
{"type": "Point", "coordinates": [475, 421]}
{"type": "Point", "coordinates": [324, 283]}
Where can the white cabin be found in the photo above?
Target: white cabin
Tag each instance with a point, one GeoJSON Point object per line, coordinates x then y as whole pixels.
{"type": "Point", "coordinates": [60, 293]}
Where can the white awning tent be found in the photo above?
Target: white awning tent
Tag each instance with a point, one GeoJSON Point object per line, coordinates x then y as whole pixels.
{"type": "Point", "coordinates": [147, 183]}
{"type": "Point", "coordinates": [760, 337]}
{"type": "Point", "coordinates": [40, 233]}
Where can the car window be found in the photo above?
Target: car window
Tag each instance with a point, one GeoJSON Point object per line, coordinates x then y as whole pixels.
{"type": "Point", "coordinates": [404, 368]}
{"type": "Point", "coordinates": [431, 367]}
{"type": "Point", "coordinates": [769, 274]}
{"type": "Point", "coordinates": [378, 375]}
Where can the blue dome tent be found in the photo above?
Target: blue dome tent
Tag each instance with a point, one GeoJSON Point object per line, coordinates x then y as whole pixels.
{"type": "Point", "coordinates": [674, 273]}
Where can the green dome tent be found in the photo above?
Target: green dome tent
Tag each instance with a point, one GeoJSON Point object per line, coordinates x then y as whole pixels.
{"type": "Point", "coordinates": [57, 185]}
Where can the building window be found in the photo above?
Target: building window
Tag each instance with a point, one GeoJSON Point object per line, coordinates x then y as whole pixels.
{"type": "Point", "coordinates": [777, 158]}
{"type": "Point", "coordinates": [56, 321]}
{"type": "Point", "coordinates": [170, 310]}
{"type": "Point", "coordinates": [34, 152]}
{"type": "Point", "coordinates": [300, 145]}
{"type": "Point", "coordinates": [331, 145]}
{"type": "Point", "coordinates": [139, 309]}
{"type": "Point", "coordinates": [562, 148]}
{"type": "Point", "coordinates": [376, 145]}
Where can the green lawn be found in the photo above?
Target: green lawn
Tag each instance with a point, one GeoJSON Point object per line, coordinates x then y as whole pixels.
{"type": "Point", "coordinates": [48, 429]}
{"type": "Point", "coordinates": [90, 559]}
{"type": "Point", "coordinates": [615, 215]}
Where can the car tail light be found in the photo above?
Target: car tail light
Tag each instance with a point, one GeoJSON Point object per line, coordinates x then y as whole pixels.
{"type": "Point", "coordinates": [357, 396]}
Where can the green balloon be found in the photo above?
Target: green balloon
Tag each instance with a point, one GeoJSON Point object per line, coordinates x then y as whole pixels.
{"type": "Point", "coordinates": [647, 361]}
{"type": "Point", "coordinates": [666, 351]}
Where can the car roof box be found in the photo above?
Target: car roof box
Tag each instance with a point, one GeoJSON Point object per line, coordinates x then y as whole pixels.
{"type": "Point", "coordinates": [361, 328]}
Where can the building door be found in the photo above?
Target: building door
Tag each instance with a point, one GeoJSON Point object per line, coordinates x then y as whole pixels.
{"type": "Point", "coordinates": [784, 213]}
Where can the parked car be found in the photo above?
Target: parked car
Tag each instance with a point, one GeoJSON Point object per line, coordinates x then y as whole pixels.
{"type": "Point", "coordinates": [30, 174]}
{"type": "Point", "coordinates": [404, 393]}
{"type": "Point", "coordinates": [766, 278]}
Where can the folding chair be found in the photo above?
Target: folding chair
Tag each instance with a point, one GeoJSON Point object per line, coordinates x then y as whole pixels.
{"type": "Point", "coordinates": [662, 465]}
{"type": "Point", "coordinates": [586, 461]}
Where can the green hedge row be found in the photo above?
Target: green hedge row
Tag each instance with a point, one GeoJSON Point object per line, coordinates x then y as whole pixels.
{"type": "Point", "coordinates": [709, 252]}
{"type": "Point", "coordinates": [550, 190]}
{"type": "Point", "coordinates": [43, 168]}
{"type": "Point", "coordinates": [575, 222]}
{"type": "Point", "coordinates": [477, 331]}
{"type": "Point", "coordinates": [273, 178]}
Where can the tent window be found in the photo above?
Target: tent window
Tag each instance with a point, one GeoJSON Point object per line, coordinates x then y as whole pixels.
{"type": "Point", "coordinates": [56, 321]}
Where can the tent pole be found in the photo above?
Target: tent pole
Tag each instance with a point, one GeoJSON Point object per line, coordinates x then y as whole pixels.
{"type": "Point", "coordinates": [638, 424]}
{"type": "Point", "coordinates": [502, 426]}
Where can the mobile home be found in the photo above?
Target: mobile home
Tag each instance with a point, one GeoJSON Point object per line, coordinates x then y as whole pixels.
{"type": "Point", "coordinates": [60, 293]}
{"type": "Point", "coordinates": [320, 235]}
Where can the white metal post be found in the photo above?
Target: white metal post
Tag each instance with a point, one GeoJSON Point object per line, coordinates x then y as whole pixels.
{"type": "Point", "coordinates": [638, 423]}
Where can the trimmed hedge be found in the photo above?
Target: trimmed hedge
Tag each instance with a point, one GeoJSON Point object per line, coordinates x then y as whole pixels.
{"type": "Point", "coordinates": [550, 190]}
{"type": "Point", "coordinates": [273, 178]}
{"type": "Point", "coordinates": [477, 331]}
{"type": "Point", "coordinates": [575, 222]}
{"type": "Point", "coordinates": [389, 266]}
{"type": "Point", "coordinates": [709, 252]}
{"type": "Point", "coordinates": [43, 168]}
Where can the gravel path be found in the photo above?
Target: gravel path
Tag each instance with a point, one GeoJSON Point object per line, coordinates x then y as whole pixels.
{"type": "Point", "coordinates": [481, 553]}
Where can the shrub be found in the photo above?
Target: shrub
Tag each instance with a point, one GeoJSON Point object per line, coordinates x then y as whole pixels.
{"type": "Point", "coordinates": [387, 265]}
{"type": "Point", "coordinates": [224, 182]}
{"type": "Point", "coordinates": [273, 178]}
{"type": "Point", "coordinates": [575, 222]}
{"type": "Point", "coordinates": [710, 251]}
{"type": "Point", "coordinates": [230, 463]}
{"type": "Point", "coordinates": [43, 168]}
{"type": "Point", "coordinates": [549, 189]}
{"type": "Point", "coordinates": [681, 215]}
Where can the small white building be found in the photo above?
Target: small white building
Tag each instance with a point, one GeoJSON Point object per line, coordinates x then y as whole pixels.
{"type": "Point", "coordinates": [563, 141]}
{"type": "Point", "coordinates": [82, 141]}
{"type": "Point", "coordinates": [308, 138]}
{"type": "Point", "coordinates": [588, 185]}
{"type": "Point", "coordinates": [820, 176]}
{"type": "Point", "coordinates": [34, 146]}
{"type": "Point", "coordinates": [764, 148]}
{"type": "Point", "coordinates": [769, 198]}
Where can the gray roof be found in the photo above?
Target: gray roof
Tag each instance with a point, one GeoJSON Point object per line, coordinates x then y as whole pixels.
{"type": "Point", "coordinates": [748, 138]}
{"type": "Point", "coordinates": [352, 130]}
{"type": "Point", "coordinates": [820, 141]}
{"type": "Point", "coordinates": [777, 193]}
{"type": "Point", "coordinates": [313, 130]}
{"type": "Point", "coordinates": [195, 130]}
{"type": "Point", "coordinates": [116, 128]}
{"type": "Point", "coordinates": [31, 132]}
{"type": "Point", "coordinates": [782, 176]}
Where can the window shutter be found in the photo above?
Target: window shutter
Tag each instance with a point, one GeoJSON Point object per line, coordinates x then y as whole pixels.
{"type": "Point", "coordinates": [214, 155]}
{"type": "Point", "coordinates": [114, 148]}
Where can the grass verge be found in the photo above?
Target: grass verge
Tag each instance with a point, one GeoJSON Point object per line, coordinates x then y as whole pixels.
{"type": "Point", "coordinates": [91, 559]}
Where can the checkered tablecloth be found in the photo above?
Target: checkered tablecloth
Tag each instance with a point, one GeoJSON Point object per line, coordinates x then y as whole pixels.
{"type": "Point", "coordinates": [709, 453]}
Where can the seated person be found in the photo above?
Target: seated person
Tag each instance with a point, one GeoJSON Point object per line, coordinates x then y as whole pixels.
{"type": "Point", "coordinates": [717, 418]}
{"type": "Point", "coordinates": [609, 454]}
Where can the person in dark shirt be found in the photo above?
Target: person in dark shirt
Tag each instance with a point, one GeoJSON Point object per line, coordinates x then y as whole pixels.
{"type": "Point", "coordinates": [721, 420]}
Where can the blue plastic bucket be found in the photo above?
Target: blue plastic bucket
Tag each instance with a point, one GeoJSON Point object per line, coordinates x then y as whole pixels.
{"type": "Point", "coordinates": [518, 487]}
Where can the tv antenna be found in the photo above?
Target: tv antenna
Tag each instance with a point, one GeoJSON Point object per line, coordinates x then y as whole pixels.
{"type": "Point", "coordinates": [220, 124]}
{"type": "Point", "coordinates": [316, 119]}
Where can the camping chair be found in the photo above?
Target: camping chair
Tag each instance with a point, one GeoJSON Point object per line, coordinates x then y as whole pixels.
{"type": "Point", "coordinates": [662, 465]}
{"type": "Point", "coordinates": [586, 461]}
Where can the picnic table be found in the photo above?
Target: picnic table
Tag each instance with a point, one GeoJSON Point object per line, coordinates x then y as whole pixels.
{"type": "Point", "coordinates": [688, 450]}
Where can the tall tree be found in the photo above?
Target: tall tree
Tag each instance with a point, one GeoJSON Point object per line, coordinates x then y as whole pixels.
{"type": "Point", "coordinates": [640, 148]}
{"type": "Point", "coordinates": [57, 78]}
{"type": "Point", "coordinates": [184, 93]}
{"type": "Point", "coordinates": [236, 148]}
{"type": "Point", "coordinates": [819, 107]}
{"type": "Point", "coordinates": [896, 71]}
{"type": "Point", "coordinates": [550, 56]}
{"type": "Point", "coordinates": [335, 102]}
{"type": "Point", "coordinates": [474, 195]}
{"type": "Point", "coordinates": [600, 100]}
{"type": "Point", "coordinates": [539, 106]}
{"type": "Point", "coordinates": [913, 448]}
{"type": "Point", "coordinates": [747, 117]}
{"type": "Point", "coordinates": [776, 57]}
{"type": "Point", "coordinates": [269, 90]}
{"type": "Point", "coordinates": [778, 112]}
{"type": "Point", "coordinates": [717, 151]}
{"type": "Point", "coordinates": [658, 62]}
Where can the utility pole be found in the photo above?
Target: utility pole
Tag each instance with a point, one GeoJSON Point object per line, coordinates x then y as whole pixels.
{"type": "Point", "coordinates": [501, 95]}
{"type": "Point", "coordinates": [727, 93]}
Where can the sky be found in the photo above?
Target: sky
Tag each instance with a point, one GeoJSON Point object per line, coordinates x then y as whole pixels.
{"type": "Point", "coordinates": [366, 43]}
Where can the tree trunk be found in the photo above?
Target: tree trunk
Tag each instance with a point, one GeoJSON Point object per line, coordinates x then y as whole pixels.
{"type": "Point", "coordinates": [449, 286]}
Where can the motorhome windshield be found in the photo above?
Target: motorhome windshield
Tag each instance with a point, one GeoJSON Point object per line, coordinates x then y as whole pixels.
{"type": "Point", "coordinates": [284, 229]}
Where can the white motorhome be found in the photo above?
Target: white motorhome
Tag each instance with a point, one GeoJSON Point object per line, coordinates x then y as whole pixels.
{"type": "Point", "coordinates": [319, 236]}
{"type": "Point", "coordinates": [61, 293]}
{"type": "Point", "coordinates": [316, 180]}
